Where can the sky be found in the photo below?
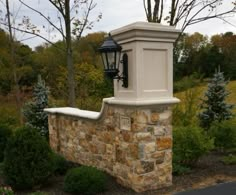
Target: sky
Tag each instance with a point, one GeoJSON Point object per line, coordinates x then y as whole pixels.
{"type": "Point", "coordinates": [115, 14]}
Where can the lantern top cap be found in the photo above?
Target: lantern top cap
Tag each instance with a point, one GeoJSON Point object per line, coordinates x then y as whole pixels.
{"type": "Point", "coordinates": [110, 45]}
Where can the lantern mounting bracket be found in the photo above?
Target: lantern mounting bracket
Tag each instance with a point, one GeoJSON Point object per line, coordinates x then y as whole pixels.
{"type": "Point", "coordinates": [124, 75]}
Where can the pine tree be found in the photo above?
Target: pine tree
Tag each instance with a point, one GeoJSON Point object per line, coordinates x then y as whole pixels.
{"type": "Point", "coordinates": [33, 110]}
{"type": "Point", "coordinates": [214, 106]}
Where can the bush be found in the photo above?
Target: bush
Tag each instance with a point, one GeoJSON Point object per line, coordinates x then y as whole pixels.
{"type": "Point", "coordinates": [187, 82]}
{"type": "Point", "coordinates": [9, 116]}
{"type": "Point", "coordinates": [28, 160]}
{"type": "Point", "coordinates": [224, 134]}
{"type": "Point", "coordinates": [229, 160]}
{"type": "Point", "coordinates": [179, 169]}
{"type": "Point", "coordinates": [85, 180]}
{"type": "Point", "coordinates": [38, 193]}
{"type": "Point", "coordinates": [6, 191]}
{"type": "Point", "coordinates": [1, 169]}
{"type": "Point", "coordinates": [5, 134]}
{"type": "Point", "coordinates": [184, 114]}
{"type": "Point", "coordinates": [190, 143]}
{"type": "Point", "coordinates": [60, 164]}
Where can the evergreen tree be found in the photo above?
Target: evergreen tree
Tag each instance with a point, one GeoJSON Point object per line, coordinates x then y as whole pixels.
{"type": "Point", "coordinates": [214, 106]}
{"type": "Point", "coordinates": [33, 110]}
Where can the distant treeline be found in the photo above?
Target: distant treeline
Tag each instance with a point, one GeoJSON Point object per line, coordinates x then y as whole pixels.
{"type": "Point", "coordinates": [193, 54]}
{"type": "Point", "coordinates": [202, 55]}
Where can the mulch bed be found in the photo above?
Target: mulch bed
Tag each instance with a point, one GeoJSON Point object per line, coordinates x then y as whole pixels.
{"type": "Point", "coordinates": [208, 171]}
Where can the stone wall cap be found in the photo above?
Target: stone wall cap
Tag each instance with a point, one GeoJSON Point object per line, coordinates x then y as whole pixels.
{"type": "Point", "coordinates": [139, 102]}
{"type": "Point", "coordinates": [74, 112]}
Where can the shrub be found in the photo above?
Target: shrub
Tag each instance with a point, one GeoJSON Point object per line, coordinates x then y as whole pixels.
{"type": "Point", "coordinates": [5, 133]}
{"type": "Point", "coordinates": [224, 134]}
{"type": "Point", "coordinates": [6, 190]}
{"type": "Point", "coordinates": [229, 160]}
{"type": "Point", "coordinates": [190, 143]}
{"type": "Point", "coordinates": [28, 160]}
{"type": "Point", "coordinates": [60, 164]}
{"type": "Point", "coordinates": [179, 169]}
{"type": "Point", "coordinates": [38, 193]}
{"type": "Point", "coordinates": [184, 114]}
{"type": "Point", "coordinates": [187, 82]}
{"type": "Point", "coordinates": [1, 169]}
{"type": "Point", "coordinates": [9, 116]}
{"type": "Point", "coordinates": [85, 180]}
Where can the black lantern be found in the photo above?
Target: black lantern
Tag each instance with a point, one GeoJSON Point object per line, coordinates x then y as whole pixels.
{"type": "Point", "coordinates": [110, 51]}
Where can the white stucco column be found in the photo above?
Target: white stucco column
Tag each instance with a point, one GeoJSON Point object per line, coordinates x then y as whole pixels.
{"type": "Point", "coordinates": [150, 56]}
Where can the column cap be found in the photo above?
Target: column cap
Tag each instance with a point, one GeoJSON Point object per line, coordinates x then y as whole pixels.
{"type": "Point", "coordinates": [145, 31]}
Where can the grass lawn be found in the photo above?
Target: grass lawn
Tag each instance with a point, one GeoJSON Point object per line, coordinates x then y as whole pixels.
{"type": "Point", "coordinates": [198, 92]}
{"type": "Point", "coordinates": [231, 87]}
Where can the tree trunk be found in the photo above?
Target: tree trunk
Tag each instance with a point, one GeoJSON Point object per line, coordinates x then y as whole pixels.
{"type": "Point", "coordinates": [13, 64]}
{"type": "Point", "coordinates": [70, 65]}
{"type": "Point", "coordinates": [172, 12]}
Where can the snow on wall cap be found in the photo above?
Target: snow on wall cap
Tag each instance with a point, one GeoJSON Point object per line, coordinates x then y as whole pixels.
{"type": "Point", "coordinates": [74, 112]}
{"type": "Point", "coordinates": [147, 26]}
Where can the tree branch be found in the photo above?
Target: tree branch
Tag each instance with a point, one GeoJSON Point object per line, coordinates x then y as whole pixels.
{"type": "Point", "coordinates": [149, 11]}
{"type": "Point", "coordinates": [194, 20]}
{"type": "Point", "coordinates": [181, 9]}
{"type": "Point", "coordinates": [174, 16]}
{"type": "Point", "coordinates": [28, 38]}
{"type": "Point", "coordinates": [172, 12]}
{"type": "Point", "coordinates": [42, 15]}
{"type": "Point", "coordinates": [227, 22]}
{"type": "Point", "coordinates": [184, 11]}
{"type": "Point", "coordinates": [161, 12]}
{"type": "Point", "coordinates": [2, 3]}
{"type": "Point", "coordinates": [210, 17]}
{"type": "Point", "coordinates": [89, 9]}
{"type": "Point", "coordinates": [156, 10]}
{"type": "Point", "coordinates": [59, 8]}
{"type": "Point", "coordinates": [35, 34]}
{"type": "Point", "coordinates": [61, 26]}
{"type": "Point", "coordinates": [189, 9]}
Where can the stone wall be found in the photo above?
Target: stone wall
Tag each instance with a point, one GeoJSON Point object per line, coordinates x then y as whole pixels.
{"type": "Point", "coordinates": [134, 144]}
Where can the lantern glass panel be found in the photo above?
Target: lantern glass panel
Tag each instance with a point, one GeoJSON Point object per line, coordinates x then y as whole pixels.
{"type": "Point", "coordinates": [104, 59]}
{"type": "Point", "coordinates": [111, 60]}
{"type": "Point", "coordinates": [118, 59]}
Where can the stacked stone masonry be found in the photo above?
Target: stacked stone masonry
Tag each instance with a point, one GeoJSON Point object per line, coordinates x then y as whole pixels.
{"type": "Point", "coordinates": [138, 154]}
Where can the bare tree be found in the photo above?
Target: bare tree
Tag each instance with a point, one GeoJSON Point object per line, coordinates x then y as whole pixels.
{"type": "Point", "coordinates": [186, 12]}
{"type": "Point", "coordinates": [73, 19]}
{"type": "Point", "coordinates": [13, 60]}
